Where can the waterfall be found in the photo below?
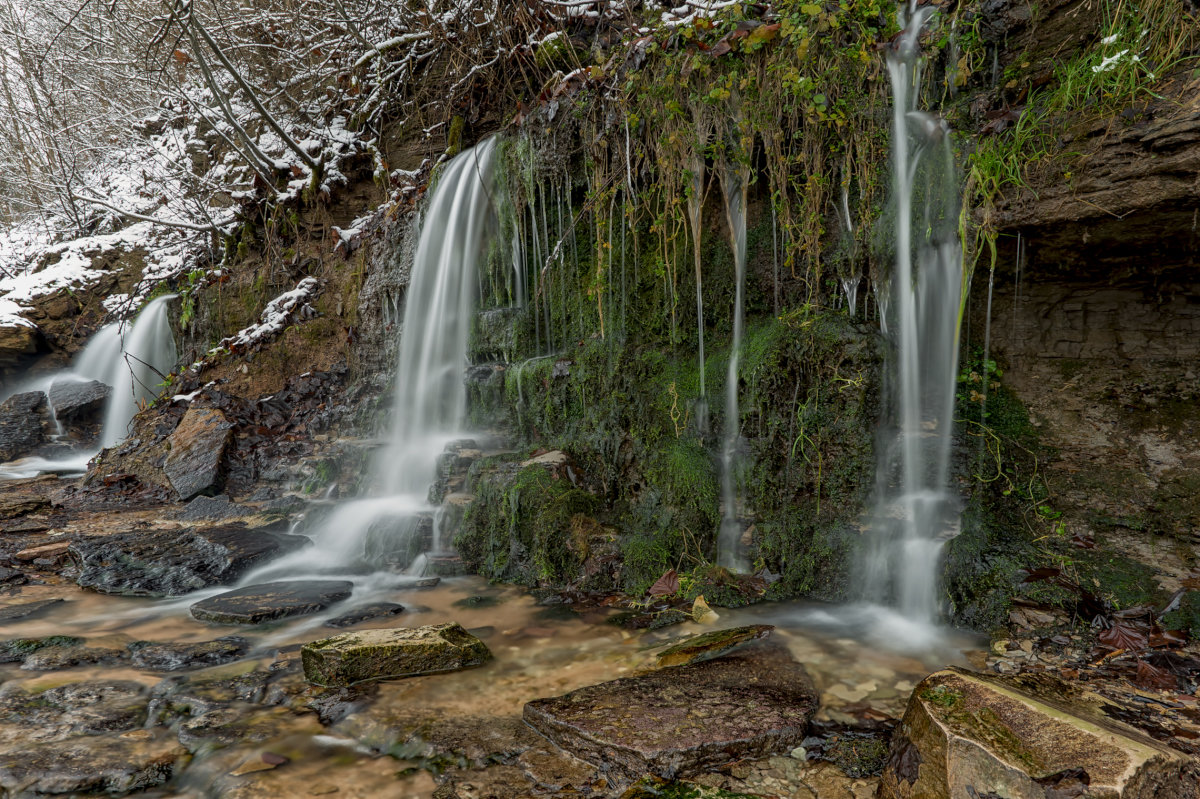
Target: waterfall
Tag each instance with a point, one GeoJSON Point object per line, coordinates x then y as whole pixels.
{"type": "Point", "coordinates": [695, 202]}
{"type": "Point", "coordinates": [917, 512]}
{"type": "Point", "coordinates": [132, 364]}
{"type": "Point", "coordinates": [429, 406]}
{"type": "Point", "coordinates": [736, 183]}
{"type": "Point", "coordinates": [132, 360]}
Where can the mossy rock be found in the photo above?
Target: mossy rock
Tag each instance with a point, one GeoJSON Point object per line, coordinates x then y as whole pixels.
{"type": "Point", "coordinates": [368, 655]}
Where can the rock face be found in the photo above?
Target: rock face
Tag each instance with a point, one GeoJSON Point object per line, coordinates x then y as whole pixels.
{"type": "Point", "coordinates": [17, 342]}
{"type": "Point", "coordinates": [77, 400]}
{"type": "Point", "coordinates": [384, 654]}
{"type": "Point", "coordinates": [197, 446]}
{"type": "Point", "coordinates": [173, 562]}
{"type": "Point", "coordinates": [21, 428]}
{"type": "Point", "coordinates": [683, 720]}
{"type": "Point", "coordinates": [255, 604]}
{"type": "Point", "coordinates": [970, 736]}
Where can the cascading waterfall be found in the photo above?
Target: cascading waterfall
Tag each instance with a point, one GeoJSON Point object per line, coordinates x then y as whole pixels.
{"type": "Point", "coordinates": [132, 364]}
{"type": "Point", "coordinates": [695, 217]}
{"type": "Point", "coordinates": [736, 183]}
{"type": "Point", "coordinates": [132, 360]}
{"type": "Point", "coordinates": [430, 401]}
{"type": "Point", "coordinates": [917, 513]}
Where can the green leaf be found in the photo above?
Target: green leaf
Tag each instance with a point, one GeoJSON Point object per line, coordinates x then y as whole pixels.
{"type": "Point", "coordinates": [812, 9]}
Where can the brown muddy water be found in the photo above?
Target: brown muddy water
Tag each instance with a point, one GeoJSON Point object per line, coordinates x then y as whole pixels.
{"type": "Point", "coordinates": [275, 745]}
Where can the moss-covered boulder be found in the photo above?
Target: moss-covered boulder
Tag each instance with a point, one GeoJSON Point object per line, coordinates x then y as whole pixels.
{"type": "Point", "coordinates": [387, 654]}
{"type": "Point", "coordinates": [967, 735]}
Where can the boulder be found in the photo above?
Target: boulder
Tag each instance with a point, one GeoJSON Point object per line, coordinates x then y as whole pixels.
{"type": "Point", "coordinates": [684, 720]}
{"type": "Point", "coordinates": [269, 601]}
{"type": "Point", "coordinates": [1029, 737]}
{"type": "Point", "coordinates": [707, 646]}
{"type": "Point", "coordinates": [197, 446]}
{"type": "Point", "coordinates": [173, 562]}
{"type": "Point", "coordinates": [386, 654]}
{"type": "Point", "coordinates": [21, 425]}
{"type": "Point", "coordinates": [77, 401]}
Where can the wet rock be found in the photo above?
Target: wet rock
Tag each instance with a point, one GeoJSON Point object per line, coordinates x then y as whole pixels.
{"type": "Point", "coordinates": [197, 447]}
{"type": "Point", "coordinates": [26, 609]}
{"type": "Point", "coordinates": [385, 654]}
{"type": "Point", "coordinates": [12, 576]}
{"type": "Point", "coordinates": [12, 507]}
{"type": "Point", "coordinates": [77, 401]}
{"type": "Point", "coordinates": [1025, 738]}
{"type": "Point", "coordinates": [82, 708]}
{"type": "Point", "coordinates": [21, 424]}
{"type": "Point", "coordinates": [227, 726]}
{"type": "Point", "coordinates": [109, 764]}
{"type": "Point", "coordinates": [177, 657]}
{"type": "Point", "coordinates": [376, 610]}
{"type": "Point", "coordinates": [17, 649]}
{"type": "Point", "coordinates": [268, 601]}
{"type": "Point", "coordinates": [683, 720]}
{"type": "Point", "coordinates": [68, 656]}
{"type": "Point", "coordinates": [213, 509]}
{"type": "Point", "coordinates": [173, 562]}
{"type": "Point", "coordinates": [711, 645]}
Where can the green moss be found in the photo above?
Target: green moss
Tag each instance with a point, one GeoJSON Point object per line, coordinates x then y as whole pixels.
{"type": "Point", "coordinates": [1187, 617]}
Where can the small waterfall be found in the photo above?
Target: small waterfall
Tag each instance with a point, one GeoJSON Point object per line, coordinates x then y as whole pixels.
{"type": "Point", "coordinates": [695, 216]}
{"type": "Point", "coordinates": [429, 407]}
{"type": "Point", "coordinates": [736, 183]}
{"type": "Point", "coordinates": [917, 512]}
{"type": "Point", "coordinates": [132, 364]}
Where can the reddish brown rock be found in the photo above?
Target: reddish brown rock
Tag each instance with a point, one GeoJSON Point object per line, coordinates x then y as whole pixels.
{"type": "Point", "coordinates": [197, 447]}
{"type": "Point", "coordinates": [684, 720]}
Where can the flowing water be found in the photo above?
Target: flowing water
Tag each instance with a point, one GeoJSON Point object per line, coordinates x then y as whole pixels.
{"type": "Point", "coordinates": [736, 183]}
{"type": "Point", "coordinates": [916, 511]}
{"type": "Point", "coordinates": [133, 360]}
{"type": "Point", "coordinates": [429, 407]}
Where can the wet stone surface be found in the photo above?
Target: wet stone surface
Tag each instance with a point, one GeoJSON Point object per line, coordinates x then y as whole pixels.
{"type": "Point", "coordinates": [684, 720]}
{"type": "Point", "coordinates": [383, 654]}
{"type": "Point", "coordinates": [707, 646]}
{"type": "Point", "coordinates": [154, 656]}
{"type": "Point", "coordinates": [16, 612]}
{"type": "Point", "coordinates": [269, 601]}
{"type": "Point", "coordinates": [357, 615]}
{"type": "Point", "coordinates": [173, 562]}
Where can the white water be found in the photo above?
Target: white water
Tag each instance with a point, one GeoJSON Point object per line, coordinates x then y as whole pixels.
{"type": "Point", "coordinates": [133, 361]}
{"type": "Point", "coordinates": [916, 511]}
{"type": "Point", "coordinates": [736, 182]}
{"type": "Point", "coordinates": [695, 217]}
{"type": "Point", "coordinates": [429, 407]}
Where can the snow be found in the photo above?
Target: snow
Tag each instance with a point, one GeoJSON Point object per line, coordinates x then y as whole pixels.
{"type": "Point", "coordinates": [274, 319]}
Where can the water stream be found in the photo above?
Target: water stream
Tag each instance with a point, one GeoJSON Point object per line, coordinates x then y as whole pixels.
{"type": "Point", "coordinates": [916, 511]}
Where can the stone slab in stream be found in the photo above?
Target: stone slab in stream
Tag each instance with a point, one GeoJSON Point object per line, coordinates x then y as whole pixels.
{"type": "Point", "coordinates": [357, 657]}
{"type": "Point", "coordinates": [684, 720]}
{"type": "Point", "coordinates": [255, 604]}
{"type": "Point", "coordinates": [357, 615]}
{"type": "Point", "coordinates": [9, 613]}
{"type": "Point", "coordinates": [1030, 737]}
{"type": "Point", "coordinates": [707, 646]}
{"type": "Point", "coordinates": [109, 764]}
{"type": "Point", "coordinates": [154, 656]}
{"type": "Point", "coordinates": [173, 562]}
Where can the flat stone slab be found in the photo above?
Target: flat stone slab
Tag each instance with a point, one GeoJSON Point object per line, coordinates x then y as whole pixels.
{"type": "Point", "coordinates": [256, 604]}
{"type": "Point", "coordinates": [684, 720]}
{"type": "Point", "coordinates": [10, 613]}
{"type": "Point", "coordinates": [154, 656]}
{"type": "Point", "coordinates": [92, 764]}
{"type": "Point", "coordinates": [1029, 737]}
{"type": "Point", "coordinates": [707, 646]}
{"type": "Point", "coordinates": [357, 657]}
{"type": "Point", "coordinates": [173, 562]}
{"type": "Point", "coordinates": [82, 708]}
{"type": "Point", "coordinates": [375, 610]}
